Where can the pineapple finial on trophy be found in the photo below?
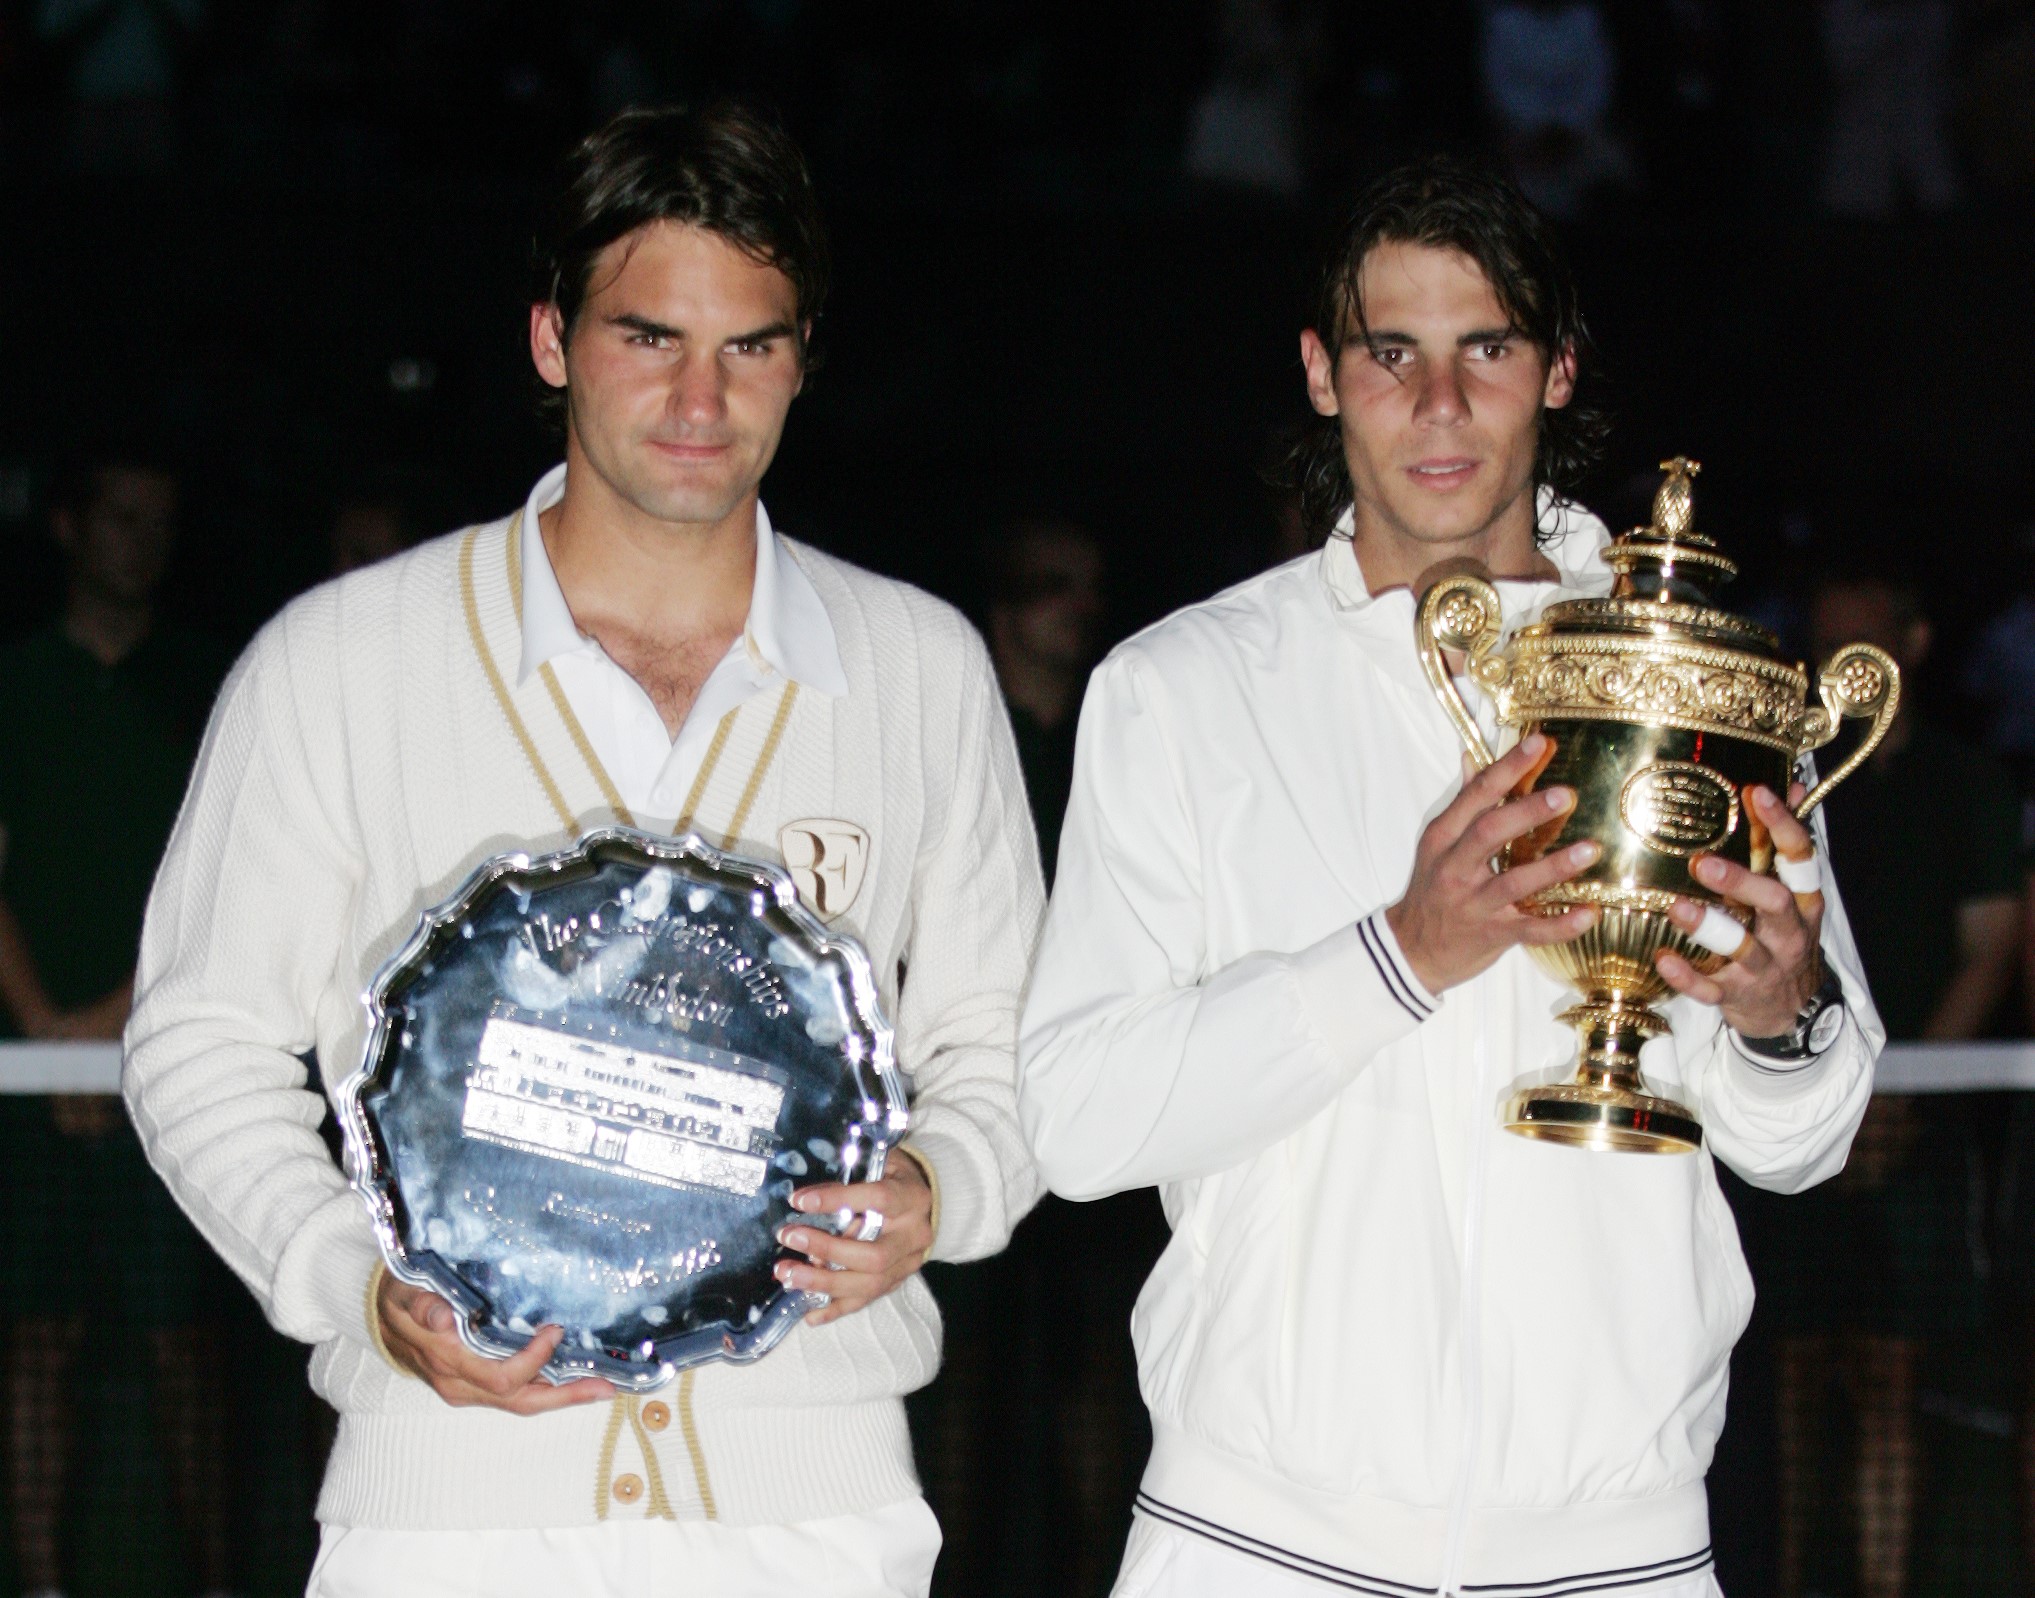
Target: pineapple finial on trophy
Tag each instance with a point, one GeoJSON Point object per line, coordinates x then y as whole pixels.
{"type": "Point", "coordinates": [1674, 502]}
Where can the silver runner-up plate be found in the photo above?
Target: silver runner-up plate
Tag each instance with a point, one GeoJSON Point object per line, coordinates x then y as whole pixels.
{"type": "Point", "coordinates": [592, 1082]}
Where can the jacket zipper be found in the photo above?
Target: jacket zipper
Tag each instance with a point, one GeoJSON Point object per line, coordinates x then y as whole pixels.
{"type": "Point", "coordinates": [1471, 1342]}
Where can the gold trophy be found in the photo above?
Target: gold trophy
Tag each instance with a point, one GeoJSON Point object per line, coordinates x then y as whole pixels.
{"type": "Point", "coordinates": [1662, 711]}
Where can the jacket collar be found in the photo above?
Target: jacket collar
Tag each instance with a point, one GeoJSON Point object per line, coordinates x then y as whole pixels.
{"type": "Point", "coordinates": [1575, 550]}
{"type": "Point", "coordinates": [1383, 623]}
{"type": "Point", "coordinates": [788, 633]}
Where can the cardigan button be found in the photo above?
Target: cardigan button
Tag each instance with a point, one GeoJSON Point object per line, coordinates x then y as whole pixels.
{"type": "Point", "coordinates": [628, 1489]}
{"type": "Point", "coordinates": [656, 1415]}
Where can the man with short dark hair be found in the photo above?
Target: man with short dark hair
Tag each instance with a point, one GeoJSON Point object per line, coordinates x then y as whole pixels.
{"type": "Point", "coordinates": [1390, 1349]}
{"type": "Point", "coordinates": [99, 723]}
{"type": "Point", "coordinates": [636, 644]}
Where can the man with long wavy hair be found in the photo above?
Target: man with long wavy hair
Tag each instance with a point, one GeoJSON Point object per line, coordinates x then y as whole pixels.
{"type": "Point", "coordinates": [1390, 1350]}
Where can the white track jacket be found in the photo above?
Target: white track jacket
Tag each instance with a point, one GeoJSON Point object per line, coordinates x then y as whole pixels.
{"type": "Point", "coordinates": [1389, 1344]}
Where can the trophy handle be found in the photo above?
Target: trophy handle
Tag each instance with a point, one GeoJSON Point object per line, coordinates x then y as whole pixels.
{"type": "Point", "coordinates": [1461, 612]}
{"type": "Point", "coordinates": [1857, 681]}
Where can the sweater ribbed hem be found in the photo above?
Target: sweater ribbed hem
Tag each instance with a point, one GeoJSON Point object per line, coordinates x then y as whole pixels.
{"type": "Point", "coordinates": [482, 1470]}
{"type": "Point", "coordinates": [1394, 1547]}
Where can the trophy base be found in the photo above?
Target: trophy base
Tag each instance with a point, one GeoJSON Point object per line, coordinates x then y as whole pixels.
{"type": "Point", "coordinates": [1603, 1118]}
{"type": "Point", "coordinates": [1606, 1106]}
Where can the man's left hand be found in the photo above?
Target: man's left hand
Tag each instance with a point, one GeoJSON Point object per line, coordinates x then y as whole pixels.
{"type": "Point", "coordinates": [853, 1274]}
{"type": "Point", "coordinates": [1763, 989]}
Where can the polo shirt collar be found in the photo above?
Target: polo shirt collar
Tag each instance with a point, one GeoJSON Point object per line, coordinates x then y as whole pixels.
{"type": "Point", "coordinates": [788, 633]}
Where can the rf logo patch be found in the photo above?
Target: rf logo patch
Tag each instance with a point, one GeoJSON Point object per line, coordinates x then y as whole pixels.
{"type": "Point", "coordinates": [827, 859]}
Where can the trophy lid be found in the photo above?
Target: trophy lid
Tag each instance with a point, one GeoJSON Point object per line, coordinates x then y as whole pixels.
{"type": "Point", "coordinates": [1666, 574]}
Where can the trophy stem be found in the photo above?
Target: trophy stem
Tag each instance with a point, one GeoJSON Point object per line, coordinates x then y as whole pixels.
{"type": "Point", "coordinates": [1606, 1105]}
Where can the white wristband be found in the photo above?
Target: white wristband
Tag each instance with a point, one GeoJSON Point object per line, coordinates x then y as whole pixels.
{"type": "Point", "coordinates": [1800, 876]}
{"type": "Point", "coordinates": [1721, 934]}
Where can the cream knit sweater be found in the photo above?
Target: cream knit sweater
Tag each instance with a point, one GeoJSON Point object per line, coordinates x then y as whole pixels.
{"type": "Point", "coordinates": [358, 766]}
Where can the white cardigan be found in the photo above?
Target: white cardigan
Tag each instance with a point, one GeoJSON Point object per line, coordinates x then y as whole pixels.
{"type": "Point", "coordinates": [1388, 1343]}
{"type": "Point", "coordinates": [358, 766]}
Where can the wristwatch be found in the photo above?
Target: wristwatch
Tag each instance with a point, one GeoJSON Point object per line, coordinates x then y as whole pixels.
{"type": "Point", "coordinates": [1816, 1027]}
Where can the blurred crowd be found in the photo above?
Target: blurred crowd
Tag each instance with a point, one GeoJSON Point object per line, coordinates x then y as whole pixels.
{"type": "Point", "coordinates": [1884, 1388]}
{"type": "Point", "coordinates": [1870, 108]}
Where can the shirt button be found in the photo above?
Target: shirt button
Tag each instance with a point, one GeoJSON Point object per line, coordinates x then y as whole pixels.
{"type": "Point", "coordinates": [628, 1489]}
{"type": "Point", "coordinates": [660, 795]}
{"type": "Point", "coordinates": [656, 1415]}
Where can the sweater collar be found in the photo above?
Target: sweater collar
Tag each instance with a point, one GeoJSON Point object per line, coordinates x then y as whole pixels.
{"type": "Point", "coordinates": [788, 633]}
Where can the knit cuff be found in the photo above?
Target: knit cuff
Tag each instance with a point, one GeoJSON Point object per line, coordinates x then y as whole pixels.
{"type": "Point", "coordinates": [964, 1206]}
{"type": "Point", "coordinates": [374, 1321]}
{"type": "Point", "coordinates": [319, 1290]}
{"type": "Point", "coordinates": [924, 1162]}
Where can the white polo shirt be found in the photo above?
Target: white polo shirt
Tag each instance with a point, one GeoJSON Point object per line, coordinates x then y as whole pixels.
{"type": "Point", "coordinates": [788, 637]}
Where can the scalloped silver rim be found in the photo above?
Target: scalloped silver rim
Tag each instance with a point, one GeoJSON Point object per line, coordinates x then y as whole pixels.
{"type": "Point", "coordinates": [363, 1169]}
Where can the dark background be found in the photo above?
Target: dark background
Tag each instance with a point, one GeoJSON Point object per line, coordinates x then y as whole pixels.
{"type": "Point", "coordinates": [293, 259]}
{"type": "Point", "coordinates": [308, 274]}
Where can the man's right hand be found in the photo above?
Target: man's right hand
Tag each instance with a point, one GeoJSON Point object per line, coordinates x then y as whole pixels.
{"type": "Point", "coordinates": [420, 1331]}
{"type": "Point", "coordinates": [1459, 914]}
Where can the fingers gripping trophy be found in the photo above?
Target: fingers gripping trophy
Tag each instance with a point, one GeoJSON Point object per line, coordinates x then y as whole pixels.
{"type": "Point", "coordinates": [1661, 711]}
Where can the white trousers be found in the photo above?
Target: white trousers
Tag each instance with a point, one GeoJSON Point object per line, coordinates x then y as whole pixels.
{"type": "Point", "coordinates": [1162, 1561]}
{"type": "Point", "coordinates": [885, 1553]}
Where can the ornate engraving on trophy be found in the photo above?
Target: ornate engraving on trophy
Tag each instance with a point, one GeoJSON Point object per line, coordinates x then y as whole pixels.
{"type": "Point", "coordinates": [1689, 686]}
{"type": "Point", "coordinates": [700, 945]}
{"type": "Point", "coordinates": [1678, 807]}
{"type": "Point", "coordinates": [1463, 614]}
